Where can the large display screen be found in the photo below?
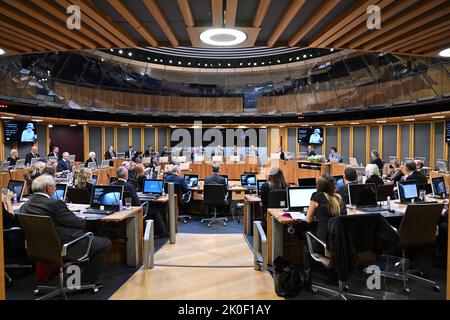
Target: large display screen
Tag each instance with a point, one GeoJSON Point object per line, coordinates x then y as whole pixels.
{"type": "Point", "coordinates": [18, 131]}
{"type": "Point", "coordinates": [310, 135]}
{"type": "Point", "coordinates": [447, 131]}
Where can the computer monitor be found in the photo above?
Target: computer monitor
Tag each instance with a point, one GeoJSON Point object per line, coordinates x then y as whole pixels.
{"type": "Point", "coordinates": [298, 198]}
{"type": "Point", "coordinates": [51, 158]}
{"type": "Point", "coordinates": [105, 164]}
{"type": "Point", "coordinates": [438, 186]}
{"type": "Point", "coordinates": [60, 192]}
{"type": "Point", "coordinates": [191, 180]}
{"type": "Point", "coordinates": [384, 191]}
{"type": "Point", "coordinates": [259, 184]}
{"type": "Point", "coordinates": [226, 178]}
{"type": "Point", "coordinates": [363, 195]}
{"type": "Point", "coordinates": [442, 167]}
{"type": "Point", "coordinates": [92, 165]}
{"type": "Point", "coordinates": [307, 182]}
{"type": "Point", "coordinates": [248, 181]}
{"type": "Point", "coordinates": [153, 186]}
{"type": "Point", "coordinates": [408, 190]}
{"type": "Point", "coordinates": [34, 160]}
{"type": "Point", "coordinates": [78, 195]}
{"type": "Point", "coordinates": [72, 158]}
{"type": "Point", "coordinates": [146, 160]}
{"type": "Point", "coordinates": [163, 159]}
{"type": "Point", "coordinates": [20, 164]}
{"type": "Point", "coordinates": [339, 180]}
{"type": "Point", "coordinates": [94, 180]}
{"type": "Point", "coordinates": [5, 166]}
{"type": "Point", "coordinates": [17, 187]}
{"type": "Point", "coordinates": [108, 196]}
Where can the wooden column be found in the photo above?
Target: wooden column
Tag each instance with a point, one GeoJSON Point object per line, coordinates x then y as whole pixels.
{"type": "Point", "coordinates": [399, 140]}
{"type": "Point", "coordinates": [432, 142]}
{"type": "Point", "coordinates": [367, 144]}
{"type": "Point", "coordinates": [86, 141]}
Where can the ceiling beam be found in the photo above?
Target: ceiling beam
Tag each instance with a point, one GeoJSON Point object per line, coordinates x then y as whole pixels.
{"type": "Point", "coordinates": [288, 15]}
{"type": "Point", "coordinates": [59, 27]}
{"type": "Point", "coordinates": [62, 16]}
{"type": "Point", "coordinates": [38, 27]}
{"type": "Point", "coordinates": [313, 20]}
{"type": "Point", "coordinates": [345, 35]}
{"type": "Point", "coordinates": [343, 20]}
{"type": "Point", "coordinates": [261, 12]}
{"type": "Point", "coordinates": [444, 43]}
{"type": "Point", "coordinates": [430, 40]}
{"type": "Point", "coordinates": [135, 23]}
{"type": "Point", "coordinates": [89, 9]}
{"type": "Point", "coordinates": [15, 36]}
{"type": "Point", "coordinates": [13, 44]}
{"type": "Point", "coordinates": [230, 13]}
{"type": "Point", "coordinates": [394, 23]}
{"type": "Point", "coordinates": [217, 13]}
{"type": "Point", "coordinates": [186, 12]}
{"type": "Point", "coordinates": [155, 11]}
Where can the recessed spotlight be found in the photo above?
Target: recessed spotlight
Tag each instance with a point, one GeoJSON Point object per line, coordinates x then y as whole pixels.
{"type": "Point", "coordinates": [409, 119]}
{"type": "Point", "coordinates": [82, 123]}
{"type": "Point", "coordinates": [223, 37]}
{"type": "Point", "coordinates": [329, 124]}
{"type": "Point", "coordinates": [130, 54]}
{"type": "Point", "coordinates": [37, 120]}
{"type": "Point", "coordinates": [278, 61]}
{"type": "Point", "coordinates": [304, 56]}
{"type": "Point", "coordinates": [156, 60]}
{"type": "Point", "coordinates": [112, 50]}
{"type": "Point", "coordinates": [240, 64]}
{"type": "Point", "coordinates": [73, 125]}
{"type": "Point", "coordinates": [220, 65]}
{"type": "Point", "coordinates": [381, 121]}
{"type": "Point", "coordinates": [189, 63]}
{"type": "Point", "coordinates": [298, 58]}
{"type": "Point", "coordinates": [120, 51]}
{"type": "Point", "coordinates": [148, 58]}
{"type": "Point", "coordinates": [290, 59]}
{"type": "Point", "coordinates": [229, 64]}
{"type": "Point", "coordinates": [310, 55]}
{"type": "Point", "coordinates": [149, 125]}
{"type": "Point", "coordinates": [445, 53]}
{"type": "Point", "coordinates": [332, 49]}
{"type": "Point", "coordinates": [179, 62]}
{"type": "Point", "coordinates": [50, 126]}
{"type": "Point", "coordinates": [160, 60]}
{"type": "Point", "coordinates": [354, 123]}
{"type": "Point", "coordinates": [249, 63]}
{"type": "Point", "coordinates": [124, 124]}
{"type": "Point", "coordinates": [206, 64]}
{"type": "Point", "coordinates": [305, 125]}
{"type": "Point", "coordinates": [438, 117]}
{"type": "Point", "coordinates": [170, 61]}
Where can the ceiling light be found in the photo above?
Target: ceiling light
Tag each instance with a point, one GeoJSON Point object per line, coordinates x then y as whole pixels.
{"type": "Point", "coordinates": [82, 123]}
{"type": "Point", "coordinates": [130, 54]}
{"type": "Point", "coordinates": [50, 126]}
{"type": "Point", "coordinates": [438, 117]}
{"type": "Point", "coordinates": [409, 119]}
{"type": "Point", "coordinates": [37, 120]}
{"type": "Point", "coordinates": [278, 61]}
{"type": "Point", "coordinates": [445, 53]}
{"type": "Point", "coordinates": [179, 62]}
{"type": "Point", "coordinates": [112, 50]}
{"type": "Point", "coordinates": [124, 124]}
{"type": "Point", "coordinates": [229, 64]}
{"type": "Point", "coordinates": [149, 125]}
{"type": "Point", "coordinates": [170, 61]}
{"type": "Point", "coordinates": [242, 127]}
{"type": "Point", "coordinates": [223, 37]}
{"type": "Point", "coordinates": [304, 125]}
{"type": "Point", "coordinates": [354, 123]}
{"type": "Point", "coordinates": [329, 124]}
{"type": "Point", "coordinates": [381, 121]}
{"type": "Point", "coordinates": [332, 49]}
{"type": "Point", "coordinates": [304, 56]}
{"type": "Point", "coordinates": [156, 60]}
{"type": "Point", "coordinates": [120, 51]}
{"type": "Point", "coordinates": [240, 64]}
{"type": "Point", "coordinates": [298, 58]}
{"type": "Point", "coordinates": [73, 125]}
{"type": "Point", "coordinates": [189, 63]}
{"type": "Point", "coordinates": [8, 118]}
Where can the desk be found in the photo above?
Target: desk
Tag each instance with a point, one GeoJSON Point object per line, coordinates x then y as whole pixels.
{"type": "Point", "coordinates": [293, 170]}
{"type": "Point", "coordinates": [250, 202]}
{"type": "Point", "coordinates": [436, 174]}
{"type": "Point", "coordinates": [104, 174]}
{"type": "Point", "coordinates": [232, 170]}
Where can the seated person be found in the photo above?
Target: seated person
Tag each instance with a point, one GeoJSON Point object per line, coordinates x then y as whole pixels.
{"type": "Point", "coordinates": [84, 179]}
{"type": "Point", "coordinates": [140, 176]}
{"type": "Point", "coordinates": [122, 180]}
{"type": "Point", "coordinates": [132, 170]}
{"type": "Point", "coordinates": [334, 155]}
{"type": "Point", "coordinates": [442, 237]}
{"type": "Point", "coordinates": [376, 159]}
{"type": "Point", "coordinates": [13, 157]}
{"type": "Point", "coordinates": [215, 178]}
{"type": "Point", "coordinates": [68, 226]}
{"type": "Point", "coordinates": [175, 177]}
{"type": "Point", "coordinates": [110, 154]}
{"type": "Point", "coordinates": [14, 241]}
{"type": "Point", "coordinates": [413, 174]}
{"type": "Point", "coordinates": [325, 204]}
{"type": "Point", "coordinates": [396, 172]}
{"type": "Point", "coordinates": [64, 164]}
{"type": "Point", "coordinates": [419, 166]}
{"type": "Point", "coordinates": [55, 153]}
{"type": "Point", "coordinates": [137, 157]}
{"type": "Point", "coordinates": [91, 159]}
{"type": "Point", "coordinates": [49, 170]}
{"type": "Point", "coordinates": [37, 169]}
{"type": "Point", "coordinates": [373, 175]}
{"type": "Point", "coordinates": [275, 181]}
{"type": "Point", "coordinates": [350, 177]}
{"type": "Point", "coordinates": [311, 151]}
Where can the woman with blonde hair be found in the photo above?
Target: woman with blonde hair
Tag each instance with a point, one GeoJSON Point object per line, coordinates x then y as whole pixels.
{"type": "Point", "coordinates": [37, 169]}
{"type": "Point", "coordinates": [140, 176]}
{"type": "Point", "coordinates": [13, 157]}
{"type": "Point", "coordinates": [373, 175]}
{"type": "Point", "coordinates": [84, 179]}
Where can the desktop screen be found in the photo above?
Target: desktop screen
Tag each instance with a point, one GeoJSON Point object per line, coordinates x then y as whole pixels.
{"type": "Point", "coordinates": [408, 190]}
{"type": "Point", "coordinates": [439, 186]}
{"type": "Point", "coordinates": [191, 180]}
{"type": "Point", "coordinates": [153, 186]}
{"type": "Point", "coordinates": [259, 185]}
{"type": "Point", "coordinates": [299, 197]}
{"type": "Point", "coordinates": [307, 182]}
{"type": "Point", "coordinates": [16, 187]}
{"type": "Point", "coordinates": [106, 195]}
{"type": "Point", "coordinates": [248, 180]}
{"type": "Point", "coordinates": [361, 195]}
{"type": "Point", "coordinates": [60, 192]}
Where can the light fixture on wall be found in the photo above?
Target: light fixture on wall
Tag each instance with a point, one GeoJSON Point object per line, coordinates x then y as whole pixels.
{"type": "Point", "coordinates": [224, 37]}
{"type": "Point", "coordinates": [2, 51]}
{"type": "Point", "coordinates": [445, 53]}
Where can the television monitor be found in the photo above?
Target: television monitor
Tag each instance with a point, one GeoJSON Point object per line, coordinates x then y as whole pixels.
{"type": "Point", "coordinates": [191, 180]}
{"type": "Point", "coordinates": [20, 131]}
{"type": "Point", "coordinates": [108, 196]}
{"type": "Point", "coordinates": [438, 186]}
{"type": "Point", "coordinates": [248, 181]}
{"type": "Point", "coordinates": [447, 131]}
{"type": "Point", "coordinates": [307, 182]}
{"type": "Point", "coordinates": [299, 197]}
{"type": "Point", "coordinates": [153, 186]}
{"type": "Point", "coordinates": [60, 192]}
{"type": "Point", "coordinates": [408, 190]}
{"type": "Point", "coordinates": [310, 136]}
{"type": "Point", "coordinates": [362, 195]}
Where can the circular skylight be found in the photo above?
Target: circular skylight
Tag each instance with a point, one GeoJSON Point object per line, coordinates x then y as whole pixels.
{"type": "Point", "coordinates": [223, 37]}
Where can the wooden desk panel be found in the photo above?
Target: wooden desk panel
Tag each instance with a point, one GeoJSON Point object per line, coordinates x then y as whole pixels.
{"type": "Point", "coordinates": [104, 174]}
{"type": "Point", "coordinates": [232, 170]}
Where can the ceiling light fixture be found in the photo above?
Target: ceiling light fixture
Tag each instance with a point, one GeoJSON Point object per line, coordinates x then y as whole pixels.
{"type": "Point", "coordinates": [8, 118]}
{"type": "Point", "coordinates": [354, 123]}
{"type": "Point", "coordinates": [438, 117]}
{"type": "Point", "coordinates": [411, 119]}
{"type": "Point", "coordinates": [445, 53]}
{"type": "Point", "coordinates": [223, 37]}
{"type": "Point", "coordinates": [381, 121]}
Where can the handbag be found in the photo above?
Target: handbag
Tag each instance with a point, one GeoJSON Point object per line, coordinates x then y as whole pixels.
{"type": "Point", "coordinates": [287, 277]}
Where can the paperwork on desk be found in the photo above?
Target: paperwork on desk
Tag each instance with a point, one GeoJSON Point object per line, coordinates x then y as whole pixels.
{"type": "Point", "coordinates": [295, 216]}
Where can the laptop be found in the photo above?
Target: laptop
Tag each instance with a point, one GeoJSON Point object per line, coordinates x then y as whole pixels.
{"type": "Point", "coordinates": [60, 192]}
{"type": "Point", "coordinates": [442, 166]}
{"type": "Point", "coordinates": [153, 189]}
{"type": "Point", "coordinates": [384, 191]}
{"type": "Point", "coordinates": [248, 181]}
{"type": "Point", "coordinates": [20, 164]}
{"type": "Point", "coordinates": [408, 191]}
{"type": "Point", "coordinates": [94, 180]}
{"type": "Point", "coordinates": [217, 159]}
{"type": "Point", "coordinates": [92, 165]}
{"type": "Point", "coordinates": [307, 182]}
{"type": "Point", "coordinates": [191, 180]}
{"type": "Point", "coordinates": [109, 197]}
{"type": "Point", "coordinates": [298, 198]}
{"type": "Point", "coordinates": [78, 195]}
{"type": "Point", "coordinates": [120, 155]}
{"type": "Point", "coordinates": [105, 164]}
{"type": "Point", "coordinates": [146, 160]}
{"type": "Point", "coordinates": [364, 197]}
{"type": "Point", "coordinates": [17, 187]}
{"type": "Point", "coordinates": [198, 158]}
{"type": "Point", "coordinates": [163, 159]}
{"type": "Point", "coordinates": [72, 158]}
{"type": "Point", "coordinates": [438, 187]}
{"type": "Point", "coordinates": [259, 184]}
{"type": "Point", "coordinates": [5, 166]}
{"type": "Point", "coordinates": [34, 160]}
{"type": "Point", "coordinates": [51, 158]}
{"type": "Point", "coordinates": [339, 180]}
{"type": "Point", "coordinates": [353, 162]}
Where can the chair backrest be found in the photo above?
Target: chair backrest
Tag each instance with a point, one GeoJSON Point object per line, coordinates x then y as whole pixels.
{"type": "Point", "coordinates": [43, 243]}
{"type": "Point", "coordinates": [145, 207]}
{"type": "Point", "coordinates": [214, 194]}
{"type": "Point", "coordinates": [277, 198]}
{"type": "Point", "coordinates": [418, 226]}
{"type": "Point", "coordinates": [176, 189]}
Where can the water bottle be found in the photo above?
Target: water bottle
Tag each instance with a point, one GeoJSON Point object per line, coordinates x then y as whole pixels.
{"type": "Point", "coordinates": [15, 199]}
{"type": "Point", "coordinates": [121, 206]}
{"type": "Point", "coordinates": [389, 203]}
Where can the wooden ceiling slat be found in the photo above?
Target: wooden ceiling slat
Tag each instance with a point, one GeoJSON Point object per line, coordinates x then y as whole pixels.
{"type": "Point", "coordinates": [13, 44]}
{"type": "Point", "coordinates": [261, 12]}
{"type": "Point", "coordinates": [323, 11]}
{"type": "Point", "coordinates": [432, 46]}
{"type": "Point", "coordinates": [155, 11]}
{"type": "Point", "coordinates": [14, 36]}
{"type": "Point", "coordinates": [135, 23]}
{"type": "Point", "coordinates": [51, 45]}
{"type": "Point", "coordinates": [59, 27]}
{"type": "Point", "coordinates": [89, 9]}
{"type": "Point", "coordinates": [394, 23]}
{"type": "Point", "coordinates": [288, 15]}
{"type": "Point", "coordinates": [343, 20]}
{"type": "Point", "coordinates": [230, 13]}
{"type": "Point", "coordinates": [95, 26]}
{"type": "Point", "coordinates": [186, 12]}
{"type": "Point", "coordinates": [344, 35]}
{"type": "Point", "coordinates": [62, 16]}
{"type": "Point", "coordinates": [430, 39]}
{"type": "Point", "coordinates": [27, 22]}
{"type": "Point", "coordinates": [217, 13]}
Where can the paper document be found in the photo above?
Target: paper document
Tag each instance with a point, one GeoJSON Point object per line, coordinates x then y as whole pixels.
{"type": "Point", "coordinates": [297, 216]}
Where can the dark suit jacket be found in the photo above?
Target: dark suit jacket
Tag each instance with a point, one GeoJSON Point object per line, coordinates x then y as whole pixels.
{"type": "Point", "coordinates": [147, 153]}
{"type": "Point", "coordinates": [311, 153]}
{"type": "Point", "coordinates": [375, 179]}
{"type": "Point", "coordinates": [63, 166]}
{"type": "Point", "coordinates": [108, 155]}
{"type": "Point", "coordinates": [12, 161]}
{"type": "Point", "coordinates": [128, 155]}
{"type": "Point", "coordinates": [215, 179]}
{"type": "Point", "coordinates": [180, 180]}
{"type": "Point", "coordinates": [52, 154]}
{"type": "Point", "coordinates": [67, 224]}
{"type": "Point", "coordinates": [419, 177]}
{"type": "Point", "coordinates": [29, 156]}
{"type": "Point", "coordinates": [90, 160]}
{"type": "Point", "coordinates": [130, 189]}
{"type": "Point", "coordinates": [281, 155]}
{"type": "Point", "coordinates": [378, 162]}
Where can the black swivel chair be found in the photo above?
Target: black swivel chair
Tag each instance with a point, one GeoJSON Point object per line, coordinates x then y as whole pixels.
{"type": "Point", "coordinates": [277, 198]}
{"type": "Point", "coordinates": [418, 230]}
{"type": "Point", "coordinates": [182, 199]}
{"type": "Point", "coordinates": [43, 245]}
{"type": "Point", "coordinates": [215, 195]}
{"type": "Point", "coordinates": [11, 260]}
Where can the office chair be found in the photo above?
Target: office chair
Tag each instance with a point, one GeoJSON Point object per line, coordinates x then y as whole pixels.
{"type": "Point", "coordinates": [215, 195]}
{"type": "Point", "coordinates": [277, 198]}
{"type": "Point", "coordinates": [43, 245]}
{"type": "Point", "coordinates": [145, 205]}
{"type": "Point", "coordinates": [9, 252]}
{"type": "Point", "coordinates": [418, 230]}
{"type": "Point", "coordinates": [182, 199]}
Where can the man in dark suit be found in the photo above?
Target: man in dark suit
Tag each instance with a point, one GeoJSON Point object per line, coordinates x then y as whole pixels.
{"type": "Point", "coordinates": [64, 163]}
{"type": "Point", "coordinates": [149, 152]}
{"type": "Point", "coordinates": [175, 177]}
{"type": "Point", "coordinates": [130, 153]}
{"type": "Point", "coordinates": [215, 178]}
{"type": "Point", "coordinates": [33, 154]}
{"type": "Point", "coordinates": [68, 226]}
{"type": "Point", "coordinates": [311, 151]}
{"type": "Point", "coordinates": [110, 154]}
{"type": "Point", "coordinates": [122, 180]}
{"type": "Point", "coordinates": [350, 177]}
{"type": "Point", "coordinates": [55, 153]}
{"type": "Point", "coordinates": [413, 174]}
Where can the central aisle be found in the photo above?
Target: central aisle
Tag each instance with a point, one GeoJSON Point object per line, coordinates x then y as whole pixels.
{"type": "Point", "coordinates": [201, 266]}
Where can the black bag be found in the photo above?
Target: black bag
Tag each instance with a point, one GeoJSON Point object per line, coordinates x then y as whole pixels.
{"type": "Point", "coordinates": [288, 280]}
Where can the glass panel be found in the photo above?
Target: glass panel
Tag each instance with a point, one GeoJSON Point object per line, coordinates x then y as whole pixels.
{"type": "Point", "coordinates": [302, 87]}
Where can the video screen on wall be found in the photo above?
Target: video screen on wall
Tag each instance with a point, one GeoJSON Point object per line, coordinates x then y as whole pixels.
{"type": "Point", "coordinates": [310, 135]}
{"type": "Point", "coordinates": [20, 131]}
{"type": "Point", "coordinates": [447, 131]}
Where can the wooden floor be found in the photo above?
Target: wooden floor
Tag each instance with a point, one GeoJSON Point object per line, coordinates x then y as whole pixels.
{"type": "Point", "coordinates": [201, 266]}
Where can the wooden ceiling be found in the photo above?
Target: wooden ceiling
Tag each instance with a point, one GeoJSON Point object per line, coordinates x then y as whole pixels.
{"type": "Point", "coordinates": [407, 26]}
